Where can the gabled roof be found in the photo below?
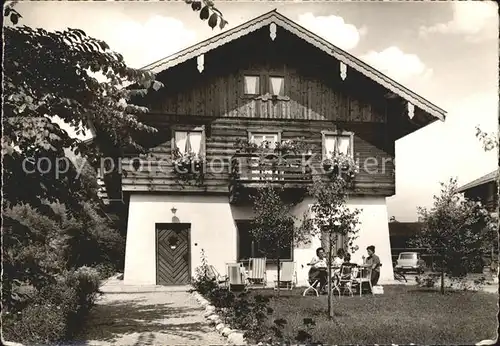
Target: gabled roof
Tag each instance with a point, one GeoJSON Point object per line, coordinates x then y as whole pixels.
{"type": "Point", "coordinates": [485, 179]}
{"type": "Point", "coordinates": [289, 25]}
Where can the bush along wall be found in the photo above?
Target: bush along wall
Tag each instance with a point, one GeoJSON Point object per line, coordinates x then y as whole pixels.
{"type": "Point", "coordinates": [241, 317]}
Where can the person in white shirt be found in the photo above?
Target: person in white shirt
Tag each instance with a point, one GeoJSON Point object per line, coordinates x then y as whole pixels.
{"type": "Point", "coordinates": [339, 259]}
{"type": "Point", "coordinates": [318, 269]}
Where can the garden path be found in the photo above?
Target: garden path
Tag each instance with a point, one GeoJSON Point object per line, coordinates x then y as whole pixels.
{"type": "Point", "coordinates": [147, 315]}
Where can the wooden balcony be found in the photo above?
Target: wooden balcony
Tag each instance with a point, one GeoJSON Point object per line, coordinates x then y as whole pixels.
{"type": "Point", "coordinates": [249, 171]}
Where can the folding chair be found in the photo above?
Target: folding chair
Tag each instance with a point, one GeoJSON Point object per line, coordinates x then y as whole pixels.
{"type": "Point", "coordinates": [287, 275]}
{"type": "Point", "coordinates": [257, 272]}
{"type": "Point", "coordinates": [219, 279]}
{"type": "Point", "coordinates": [236, 276]}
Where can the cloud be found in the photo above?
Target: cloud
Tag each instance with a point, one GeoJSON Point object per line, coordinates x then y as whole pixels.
{"type": "Point", "coordinates": [143, 43]}
{"type": "Point", "coordinates": [398, 65]}
{"type": "Point", "coordinates": [333, 29]}
{"type": "Point", "coordinates": [474, 19]}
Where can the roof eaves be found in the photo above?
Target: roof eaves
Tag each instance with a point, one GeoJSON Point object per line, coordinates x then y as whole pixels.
{"type": "Point", "coordinates": [288, 24]}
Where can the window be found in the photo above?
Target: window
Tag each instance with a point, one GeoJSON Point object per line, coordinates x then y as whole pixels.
{"type": "Point", "coordinates": [260, 137]}
{"type": "Point", "coordinates": [252, 85]}
{"type": "Point", "coordinates": [277, 86]}
{"type": "Point", "coordinates": [334, 142]}
{"type": "Point", "coordinates": [341, 243]}
{"type": "Point", "coordinates": [190, 140]}
{"type": "Point", "coordinates": [249, 248]}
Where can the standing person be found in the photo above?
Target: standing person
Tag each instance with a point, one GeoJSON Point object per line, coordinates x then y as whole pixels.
{"type": "Point", "coordinates": [318, 269]}
{"type": "Point", "coordinates": [373, 261]}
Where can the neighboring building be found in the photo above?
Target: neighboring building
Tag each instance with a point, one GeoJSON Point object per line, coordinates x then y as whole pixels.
{"type": "Point", "coordinates": [484, 189]}
{"type": "Point", "coordinates": [267, 79]}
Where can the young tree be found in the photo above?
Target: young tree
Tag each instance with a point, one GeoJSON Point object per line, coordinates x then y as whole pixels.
{"type": "Point", "coordinates": [330, 218]}
{"type": "Point", "coordinates": [274, 226]}
{"type": "Point", "coordinates": [458, 230]}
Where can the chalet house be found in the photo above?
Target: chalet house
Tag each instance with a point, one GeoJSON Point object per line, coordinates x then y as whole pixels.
{"type": "Point", "coordinates": [483, 189]}
{"type": "Point", "coordinates": [268, 79]}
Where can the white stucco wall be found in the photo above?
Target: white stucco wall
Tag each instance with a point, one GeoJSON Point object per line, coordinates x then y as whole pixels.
{"type": "Point", "coordinates": [213, 228]}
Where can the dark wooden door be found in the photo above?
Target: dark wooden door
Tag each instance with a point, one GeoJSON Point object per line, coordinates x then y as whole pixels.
{"type": "Point", "coordinates": [172, 255]}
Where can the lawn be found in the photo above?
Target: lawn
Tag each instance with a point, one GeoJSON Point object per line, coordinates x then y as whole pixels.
{"type": "Point", "coordinates": [404, 314]}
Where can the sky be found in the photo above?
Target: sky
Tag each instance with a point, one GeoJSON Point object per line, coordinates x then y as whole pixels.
{"type": "Point", "coordinates": [446, 52]}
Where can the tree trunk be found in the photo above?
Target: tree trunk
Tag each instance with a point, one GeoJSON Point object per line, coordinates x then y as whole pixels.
{"type": "Point", "coordinates": [329, 283]}
{"type": "Point", "coordinates": [442, 276]}
{"type": "Point", "coordinates": [279, 275]}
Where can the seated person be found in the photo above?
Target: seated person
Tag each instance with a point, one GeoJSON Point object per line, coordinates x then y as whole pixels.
{"type": "Point", "coordinates": [339, 259]}
{"type": "Point", "coordinates": [318, 269]}
{"type": "Point", "coordinates": [347, 266]}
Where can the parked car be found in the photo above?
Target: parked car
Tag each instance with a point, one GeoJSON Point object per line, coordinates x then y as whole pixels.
{"type": "Point", "coordinates": [410, 262]}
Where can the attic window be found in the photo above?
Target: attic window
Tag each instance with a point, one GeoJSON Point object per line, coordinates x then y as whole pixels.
{"type": "Point", "coordinates": [277, 86]}
{"type": "Point", "coordinates": [252, 85]}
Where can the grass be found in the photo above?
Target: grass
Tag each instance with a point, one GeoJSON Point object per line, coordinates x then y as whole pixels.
{"type": "Point", "coordinates": [404, 314]}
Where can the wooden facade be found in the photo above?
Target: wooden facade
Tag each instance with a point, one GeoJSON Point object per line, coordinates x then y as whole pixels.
{"type": "Point", "coordinates": [315, 99]}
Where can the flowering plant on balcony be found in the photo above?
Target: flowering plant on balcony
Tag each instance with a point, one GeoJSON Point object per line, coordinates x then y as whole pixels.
{"type": "Point", "coordinates": [297, 146]}
{"type": "Point", "coordinates": [187, 162]}
{"type": "Point", "coordinates": [245, 146]}
{"type": "Point", "coordinates": [341, 165]}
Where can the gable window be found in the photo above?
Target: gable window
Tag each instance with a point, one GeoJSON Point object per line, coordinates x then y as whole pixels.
{"type": "Point", "coordinates": [337, 143]}
{"type": "Point", "coordinates": [248, 247]}
{"type": "Point", "coordinates": [252, 85]}
{"type": "Point", "coordinates": [187, 141]}
{"type": "Point", "coordinates": [277, 86]}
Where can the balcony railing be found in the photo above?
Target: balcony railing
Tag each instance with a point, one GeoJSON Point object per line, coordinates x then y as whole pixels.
{"type": "Point", "coordinates": [270, 167]}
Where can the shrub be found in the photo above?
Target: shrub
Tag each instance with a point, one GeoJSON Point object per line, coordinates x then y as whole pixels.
{"type": "Point", "coordinates": [36, 324]}
{"type": "Point", "coordinates": [105, 270]}
{"type": "Point", "coordinates": [203, 281]}
{"type": "Point", "coordinates": [55, 312]}
{"type": "Point", "coordinates": [427, 281]}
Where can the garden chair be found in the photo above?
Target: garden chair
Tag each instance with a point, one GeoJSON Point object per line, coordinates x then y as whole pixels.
{"type": "Point", "coordinates": [214, 274]}
{"type": "Point", "coordinates": [364, 276]}
{"type": "Point", "coordinates": [348, 273]}
{"type": "Point", "coordinates": [236, 277]}
{"type": "Point", "coordinates": [313, 283]}
{"type": "Point", "coordinates": [288, 275]}
{"type": "Point", "coordinates": [257, 272]}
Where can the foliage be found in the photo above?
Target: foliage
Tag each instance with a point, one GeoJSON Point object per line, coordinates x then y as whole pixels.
{"type": "Point", "coordinates": [274, 224]}
{"type": "Point", "coordinates": [203, 282]}
{"type": "Point", "coordinates": [489, 140]}
{"type": "Point", "coordinates": [427, 281]}
{"type": "Point", "coordinates": [54, 312]}
{"type": "Point", "coordinates": [330, 218]}
{"type": "Point", "coordinates": [62, 85]}
{"type": "Point", "coordinates": [341, 166]}
{"type": "Point", "coordinates": [188, 163]}
{"type": "Point", "coordinates": [37, 247]}
{"type": "Point", "coordinates": [458, 230]}
{"type": "Point", "coordinates": [296, 147]}
{"type": "Point", "coordinates": [208, 11]}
